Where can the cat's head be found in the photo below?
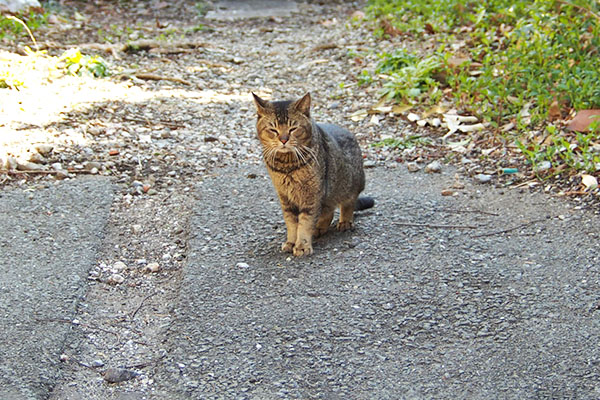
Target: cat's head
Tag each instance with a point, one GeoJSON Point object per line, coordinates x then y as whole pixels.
{"type": "Point", "coordinates": [284, 126]}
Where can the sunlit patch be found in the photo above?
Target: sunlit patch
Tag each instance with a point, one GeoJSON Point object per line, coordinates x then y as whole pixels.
{"type": "Point", "coordinates": [43, 98]}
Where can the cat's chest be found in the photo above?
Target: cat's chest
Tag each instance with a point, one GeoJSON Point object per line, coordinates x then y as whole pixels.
{"type": "Point", "coordinates": [298, 184]}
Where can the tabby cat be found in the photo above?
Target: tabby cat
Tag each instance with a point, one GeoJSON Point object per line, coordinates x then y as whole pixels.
{"type": "Point", "coordinates": [314, 168]}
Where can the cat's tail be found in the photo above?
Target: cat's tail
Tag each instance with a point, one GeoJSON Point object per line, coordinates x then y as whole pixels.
{"type": "Point", "coordinates": [364, 202]}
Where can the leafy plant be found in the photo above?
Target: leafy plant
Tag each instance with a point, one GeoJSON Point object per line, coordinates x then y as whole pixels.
{"type": "Point", "coordinates": [523, 63]}
{"type": "Point", "coordinates": [79, 64]}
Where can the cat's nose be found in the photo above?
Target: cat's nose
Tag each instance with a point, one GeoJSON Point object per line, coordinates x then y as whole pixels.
{"type": "Point", "coordinates": [283, 139]}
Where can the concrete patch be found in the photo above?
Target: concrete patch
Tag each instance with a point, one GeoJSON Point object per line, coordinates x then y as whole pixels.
{"type": "Point", "coordinates": [48, 244]}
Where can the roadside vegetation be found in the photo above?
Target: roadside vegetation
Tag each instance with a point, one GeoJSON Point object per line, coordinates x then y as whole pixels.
{"type": "Point", "coordinates": [34, 65]}
{"type": "Point", "coordinates": [524, 69]}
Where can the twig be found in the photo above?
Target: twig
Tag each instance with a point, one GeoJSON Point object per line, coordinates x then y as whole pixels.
{"type": "Point", "coordinates": [153, 77]}
{"type": "Point", "coordinates": [156, 122]}
{"type": "Point", "coordinates": [141, 304]}
{"type": "Point", "coordinates": [435, 226]}
{"type": "Point", "coordinates": [471, 211]}
{"type": "Point", "coordinates": [145, 364]}
{"type": "Point", "coordinates": [514, 228]}
{"type": "Point", "coordinates": [37, 48]}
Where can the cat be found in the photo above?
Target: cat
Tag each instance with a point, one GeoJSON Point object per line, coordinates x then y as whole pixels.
{"type": "Point", "coordinates": [314, 168]}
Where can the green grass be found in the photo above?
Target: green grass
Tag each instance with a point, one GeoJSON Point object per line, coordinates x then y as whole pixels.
{"type": "Point", "coordinates": [12, 29]}
{"type": "Point", "coordinates": [518, 55]}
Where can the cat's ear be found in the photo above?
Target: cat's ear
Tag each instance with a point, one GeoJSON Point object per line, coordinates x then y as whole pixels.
{"type": "Point", "coordinates": [303, 105]}
{"type": "Point", "coordinates": [261, 105]}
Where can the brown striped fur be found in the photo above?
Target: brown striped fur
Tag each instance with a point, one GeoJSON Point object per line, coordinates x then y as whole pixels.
{"type": "Point", "coordinates": [314, 168]}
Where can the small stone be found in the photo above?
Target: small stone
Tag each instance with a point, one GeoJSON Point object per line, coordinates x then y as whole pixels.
{"type": "Point", "coordinates": [97, 363]}
{"type": "Point", "coordinates": [242, 265]}
{"type": "Point", "coordinates": [63, 357]}
{"type": "Point", "coordinates": [434, 167]}
{"type": "Point", "coordinates": [119, 266]}
{"type": "Point", "coordinates": [113, 152]}
{"type": "Point", "coordinates": [61, 174]}
{"type": "Point", "coordinates": [369, 164]}
{"type": "Point", "coordinates": [151, 267]}
{"type": "Point", "coordinates": [412, 117]}
{"type": "Point", "coordinates": [115, 279]}
{"type": "Point", "coordinates": [29, 166]}
{"type": "Point", "coordinates": [37, 158]}
{"type": "Point", "coordinates": [116, 375]}
{"type": "Point", "coordinates": [90, 165]}
{"type": "Point", "coordinates": [482, 178]}
{"type": "Point", "coordinates": [136, 228]}
{"type": "Point", "coordinates": [44, 149]}
{"type": "Point", "coordinates": [56, 166]}
{"type": "Point", "coordinates": [412, 167]}
{"type": "Point", "coordinates": [543, 166]}
{"type": "Point", "coordinates": [448, 192]}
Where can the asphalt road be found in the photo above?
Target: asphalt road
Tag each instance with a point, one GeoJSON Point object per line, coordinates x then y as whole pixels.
{"type": "Point", "coordinates": [48, 243]}
{"type": "Point", "coordinates": [492, 294]}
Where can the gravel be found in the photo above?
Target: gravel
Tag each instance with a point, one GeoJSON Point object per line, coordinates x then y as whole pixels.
{"type": "Point", "coordinates": [390, 310]}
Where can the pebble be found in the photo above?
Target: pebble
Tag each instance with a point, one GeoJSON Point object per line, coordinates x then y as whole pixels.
{"type": "Point", "coordinates": [37, 158]}
{"type": "Point", "coordinates": [44, 149]}
{"type": "Point", "coordinates": [151, 267]}
{"type": "Point", "coordinates": [412, 167]}
{"type": "Point", "coordinates": [543, 166]}
{"type": "Point", "coordinates": [242, 265]}
{"type": "Point", "coordinates": [97, 363]}
{"type": "Point", "coordinates": [115, 279]}
{"type": "Point", "coordinates": [369, 164]}
{"type": "Point", "coordinates": [448, 192]}
{"type": "Point", "coordinates": [433, 167]}
{"type": "Point", "coordinates": [29, 166]}
{"type": "Point", "coordinates": [136, 228]}
{"type": "Point", "coordinates": [119, 266]}
{"type": "Point", "coordinates": [116, 375]}
{"type": "Point", "coordinates": [482, 178]}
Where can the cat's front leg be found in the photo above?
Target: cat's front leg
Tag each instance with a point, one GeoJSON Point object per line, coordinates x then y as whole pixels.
{"type": "Point", "coordinates": [291, 224]}
{"type": "Point", "coordinates": [306, 229]}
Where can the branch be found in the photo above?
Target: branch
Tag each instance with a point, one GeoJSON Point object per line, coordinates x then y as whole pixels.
{"type": "Point", "coordinates": [435, 226]}
{"type": "Point", "coordinates": [514, 228]}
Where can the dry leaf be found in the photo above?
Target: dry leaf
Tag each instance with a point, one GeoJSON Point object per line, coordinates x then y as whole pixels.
{"type": "Point", "coordinates": [400, 108]}
{"type": "Point", "coordinates": [583, 119]}
{"type": "Point", "coordinates": [359, 115]}
{"type": "Point", "coordinates": [554, 112]}
{"type": "Point", "coordinates": [589, 181]}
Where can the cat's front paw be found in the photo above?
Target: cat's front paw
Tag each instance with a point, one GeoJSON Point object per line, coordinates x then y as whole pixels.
{"type": "Point", "coordinates": [344, 226]}
{"type": "Point", "coordinates": [303, 249]}
{"type": "Point", "coordinates": [287, 247]}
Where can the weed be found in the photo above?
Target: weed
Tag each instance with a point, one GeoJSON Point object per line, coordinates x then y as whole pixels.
{"type": "Point", "coordinates": [76, 63]}
{"type": "Point", "coordinates": [521, 58]}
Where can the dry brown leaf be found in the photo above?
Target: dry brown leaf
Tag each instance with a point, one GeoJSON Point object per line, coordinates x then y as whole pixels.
{"type": "Point", "coordinates": [554, 111]}
{"type": "Point", "coordinates": [583, 119]}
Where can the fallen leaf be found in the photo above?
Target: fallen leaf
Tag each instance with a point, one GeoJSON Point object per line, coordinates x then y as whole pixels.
{"type": "Point", "coordinates": [359, 115]}
{"type": "Point", "coordinates": [583, 119]}
{"type": "Point", "coordinates": [589, 181]}
{"type": "Point", "coordinates": [400, 108]}
{"type": "Point", "coordinates": [554, 111]}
